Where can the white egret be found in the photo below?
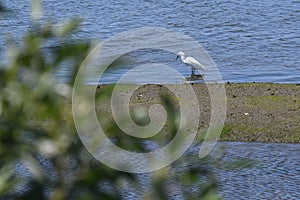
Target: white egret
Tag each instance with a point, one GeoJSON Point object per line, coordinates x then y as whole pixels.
{"type": "Point", "coordinates": [190, 61]}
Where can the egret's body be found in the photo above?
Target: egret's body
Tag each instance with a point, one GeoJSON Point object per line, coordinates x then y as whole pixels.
{"type": "Point", "coordinates": [190, 61]}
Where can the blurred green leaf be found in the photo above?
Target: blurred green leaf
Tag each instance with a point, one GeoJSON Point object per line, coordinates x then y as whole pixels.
{"type": "Point", "coordinates": [37, 128]}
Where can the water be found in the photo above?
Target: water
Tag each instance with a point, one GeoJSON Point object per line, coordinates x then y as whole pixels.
{"type": "Point", "coordinates": [249, 41]}
{"type": "Point", "coordinates": [274, 172]}
{"type": "Point", "coordinates": [275, 176]}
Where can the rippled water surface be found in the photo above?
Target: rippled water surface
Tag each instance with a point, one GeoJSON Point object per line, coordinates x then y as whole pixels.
{"type": "Point", "coordinates": [272, 172]}
{"type": "Point", "coordinates": [276, 174]}
{"type": "Point", "coordinates": [248, 40]}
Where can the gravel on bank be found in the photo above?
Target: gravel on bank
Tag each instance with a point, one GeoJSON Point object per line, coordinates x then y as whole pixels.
{"type": "Point", "coordinates": [260, 112]}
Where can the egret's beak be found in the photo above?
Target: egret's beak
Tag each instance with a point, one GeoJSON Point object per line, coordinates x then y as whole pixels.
{"type": "Point", "coordinates": [177, 57]}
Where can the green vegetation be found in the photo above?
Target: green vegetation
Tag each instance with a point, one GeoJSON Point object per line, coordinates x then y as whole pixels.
{"type": "Point", "coordinates": [262, 112]}
{"type": "Point", "coordinates": [36, 127]}
{"type": "Point", "coordinates": [269, 101]}
{"type": "Point", "coordinates": [226, 130]}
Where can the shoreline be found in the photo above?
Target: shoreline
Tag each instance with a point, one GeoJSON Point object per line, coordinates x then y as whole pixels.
{"type": "Point", "coordinates": [256, 112]}
{"type": "Point", "coordinates": [273, 113]}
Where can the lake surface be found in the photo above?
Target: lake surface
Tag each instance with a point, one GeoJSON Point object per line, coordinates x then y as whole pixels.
{"type": "Point", "coordinates": [272, 172]}
{"type": "Point", "coordinates": [256, 40]}
{"type": "Point", "coordinates": [248, 40]}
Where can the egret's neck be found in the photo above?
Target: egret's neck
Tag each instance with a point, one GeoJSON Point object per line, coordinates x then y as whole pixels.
{"type": "Point", "coordinates": [182, 58]}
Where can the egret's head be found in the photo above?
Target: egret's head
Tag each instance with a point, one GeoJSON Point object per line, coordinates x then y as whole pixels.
{"type": "Point", "coordinates": [180, 53]}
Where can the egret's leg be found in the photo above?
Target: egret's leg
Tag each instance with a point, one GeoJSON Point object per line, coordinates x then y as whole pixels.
{"type": "Point", "coordinates": [193, 70]}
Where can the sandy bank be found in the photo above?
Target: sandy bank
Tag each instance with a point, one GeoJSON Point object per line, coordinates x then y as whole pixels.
{"type": "Point", "coordinates": [263, 112]}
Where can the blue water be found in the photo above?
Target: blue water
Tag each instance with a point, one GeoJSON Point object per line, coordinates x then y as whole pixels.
{"type": "Point", "coordinates": [256, 40]}
{"type": "Point", "coordinates": [273, 174]}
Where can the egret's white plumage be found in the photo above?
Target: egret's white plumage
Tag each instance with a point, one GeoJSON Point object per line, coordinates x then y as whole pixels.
{"type": "Point", "coordinates": [190, 61]}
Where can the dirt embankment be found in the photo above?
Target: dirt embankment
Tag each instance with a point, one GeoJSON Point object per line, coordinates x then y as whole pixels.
{"type": "Point", "coordinates": [263, 112]}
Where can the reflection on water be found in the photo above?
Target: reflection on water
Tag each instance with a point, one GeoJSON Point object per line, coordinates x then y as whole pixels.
{"type": "Point", "coordinates": [194, 77]}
